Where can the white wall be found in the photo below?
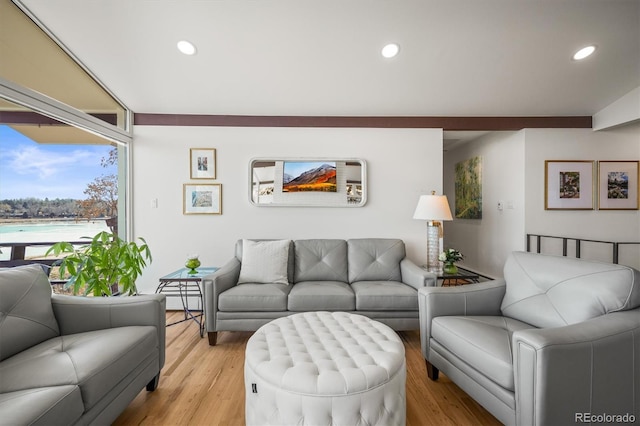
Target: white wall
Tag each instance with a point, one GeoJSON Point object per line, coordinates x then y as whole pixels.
{"type": "Point", "coordinates": [402, 164]}
{"type": "Point", "coordinates": [486, 242]}
{"type": "Point", "coordinates": [513, 169]}
{"type": "Point", "coordinates": [622, 143]}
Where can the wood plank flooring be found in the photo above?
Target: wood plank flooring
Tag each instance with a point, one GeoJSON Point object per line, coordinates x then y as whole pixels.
{"type": "Point", "coordinates": [204, 385]}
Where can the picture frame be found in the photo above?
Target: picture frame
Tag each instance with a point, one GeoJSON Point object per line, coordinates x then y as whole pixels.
{"type": "Point", "coordinates": [308, 182]}
{"type": "Point", "coordinates": [569, 185]}
{"type": "Point", "coordinates": [202, 163]}
{"type": "Point", "coordinates": [202, 198]}
{"type": "Point", "coordinates": [618, 185]}
{"type": "Point", "coordinates": [468, 189]}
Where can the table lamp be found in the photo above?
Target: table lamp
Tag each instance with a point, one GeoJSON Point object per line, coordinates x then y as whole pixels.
{"type": "Point", "coordinates": [434, 209]}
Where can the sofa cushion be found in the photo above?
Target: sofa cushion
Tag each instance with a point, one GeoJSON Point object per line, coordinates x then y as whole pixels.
{"type": "Point", "coordinates": [26, 315]}
{"type": "Point", "coordinates": [483, 342]}
{"type": "Point", "coordinates": [321, 296]}
{"type": "Point", "coordinates": [96, 361]}
{"type": "Point", "coordinates": [56, 405]}
{"type": "Point", "coordinates": [375, 259]}
{"type": "Point", "coordinates": [264, 262]}
{"type": "Point", "coordinates": [553, 291]}
{"type": "Point", "coordinates": [385, 296]}
{"type": "Point", "coordinates": [254, 298]}
{"type": "Point", "coordinates": [320, 260]}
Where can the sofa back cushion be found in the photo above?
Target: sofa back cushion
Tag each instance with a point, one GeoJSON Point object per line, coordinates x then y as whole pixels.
{"type": "Point", "coordinates": [375, 259]}
{"type": "Point", "coordinates": [320, 260]}
{"type": "Point", "coordinates": [26, 315]}
{"type": "Point", "coordinates": [553, 291]}
{"type": "Point", "coordinates": [265, 261]}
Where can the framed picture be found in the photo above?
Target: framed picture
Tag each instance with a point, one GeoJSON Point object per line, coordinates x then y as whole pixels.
{"type": "Point", "coordinates": [618, 185]}
{"type": "Point", "coordinates": [203, 163]}
{"type": "Point", "coordinates": [568, 185]}
{"type": "Point", "coordinates": [205, 198]}
{"type": "Point", "coordinates": [309, 176]}
{"type": "Point", "coordinates": [468, 189]}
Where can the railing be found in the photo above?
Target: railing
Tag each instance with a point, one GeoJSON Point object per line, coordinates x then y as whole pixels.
{"type": "Point", "coordinates": [17, 252]}
{"type": "Point", "coordinates": [615, 246]}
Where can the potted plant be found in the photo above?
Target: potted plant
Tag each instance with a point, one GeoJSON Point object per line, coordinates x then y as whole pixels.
{"type": "Point", "coordinates": [105, 265]}
{"type": "Point", "coordinates": [450, 257]}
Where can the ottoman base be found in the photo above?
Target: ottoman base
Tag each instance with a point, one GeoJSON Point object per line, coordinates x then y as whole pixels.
{"type": "Point", "coordinates": [384, 405]}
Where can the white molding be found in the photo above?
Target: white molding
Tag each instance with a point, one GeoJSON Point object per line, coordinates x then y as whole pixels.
{"type": "Point", "coordinates": [623, 111]}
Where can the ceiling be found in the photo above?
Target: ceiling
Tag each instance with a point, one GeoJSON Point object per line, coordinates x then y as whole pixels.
{"type": "Point", "coordinates": [303, 57]}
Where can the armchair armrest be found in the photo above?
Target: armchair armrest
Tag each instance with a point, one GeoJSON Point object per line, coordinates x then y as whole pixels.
{"type": "Point", "coordinates": [560, 372]}
{"type": "Point", "coordinates": [214, 284]}
{"type": "Point", "coordinates": [472, 299]}
{"type": "Point", "coordinates": [415, 276]}
{"type": "Point", "coordinates": [79, 314]}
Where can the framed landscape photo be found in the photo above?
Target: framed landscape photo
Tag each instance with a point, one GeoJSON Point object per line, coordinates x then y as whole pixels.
{"type": "Point", "coordinates": [309, 176]}
{"type": "Point", "coordinates": [203, 163]}
{"type": "Point", "coordinates": [568, 185]}
{"type": "Point", "coordinates": [205, 198]}
{"type": "Point", "coordinates": [618, 185]}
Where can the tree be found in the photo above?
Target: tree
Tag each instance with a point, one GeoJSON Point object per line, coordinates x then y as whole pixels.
{"type": "Point", "coordinates": [102, 195]}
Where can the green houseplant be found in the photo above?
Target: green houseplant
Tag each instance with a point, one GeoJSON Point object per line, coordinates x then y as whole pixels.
{"type": "Point", "coordinates": [105, 263]}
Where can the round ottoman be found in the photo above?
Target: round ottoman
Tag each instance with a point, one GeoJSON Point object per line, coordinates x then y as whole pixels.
{"type": "Point", "coordinates": [325, 368]}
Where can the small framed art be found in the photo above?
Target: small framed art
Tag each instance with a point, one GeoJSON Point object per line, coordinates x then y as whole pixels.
{"type": "Point", "coordinates": [203, 163]}
{"type": "Point", "coordinates": [568, 185]}
{"type": "Point", "coordinates": [205, 198]}
{"type": "Point", "coordinates": [618, 185]}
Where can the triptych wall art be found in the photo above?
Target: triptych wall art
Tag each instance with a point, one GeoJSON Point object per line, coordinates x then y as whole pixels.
{"type": "Point", "coordinates": [574, 185]}
{"type": "Point", "coordinates": [202, 198]}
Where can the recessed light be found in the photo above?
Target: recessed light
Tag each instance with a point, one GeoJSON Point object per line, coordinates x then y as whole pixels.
{"type": "Point", "coordinates": [186, 47]}
{"type": "Point", "coordinates": [584, 52]}
{"type": "Point", "coordinates": [390, 50]}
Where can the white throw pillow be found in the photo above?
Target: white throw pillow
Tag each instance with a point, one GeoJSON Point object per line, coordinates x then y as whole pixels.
{"type": "Point", "coordinates": [264, 262]}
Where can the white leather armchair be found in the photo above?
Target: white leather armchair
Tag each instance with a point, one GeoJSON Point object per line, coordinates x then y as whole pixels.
{"type": "Point", "coordinates": [556, 342]}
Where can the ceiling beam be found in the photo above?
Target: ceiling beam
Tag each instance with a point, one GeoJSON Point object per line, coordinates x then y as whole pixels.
{"type": "Point", "coordinates": [30, 117]}
{"type": "Point", "coordinates": [446, 123]}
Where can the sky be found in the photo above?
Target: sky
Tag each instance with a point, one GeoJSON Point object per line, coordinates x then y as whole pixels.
{"type": "Point", "coordinates": [29, 169]}
{"type": "Point", "coordinates": [296, 168]}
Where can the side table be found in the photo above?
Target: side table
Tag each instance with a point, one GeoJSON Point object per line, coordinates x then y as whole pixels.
{"type": "Point", "coordinates": [184, 285]}
{"type": "Point", "coordinates": [459, 278]}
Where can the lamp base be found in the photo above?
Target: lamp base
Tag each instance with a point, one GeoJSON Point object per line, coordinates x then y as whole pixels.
{"type": "Point", "coordinates": [434, 242]}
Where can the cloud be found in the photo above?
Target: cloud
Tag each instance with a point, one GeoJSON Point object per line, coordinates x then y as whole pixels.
{"type": "Point", "coordinates": [44, 164]}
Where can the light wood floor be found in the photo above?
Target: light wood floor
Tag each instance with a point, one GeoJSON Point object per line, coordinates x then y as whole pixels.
{"type": "Point", "coordinates": [204, 385]}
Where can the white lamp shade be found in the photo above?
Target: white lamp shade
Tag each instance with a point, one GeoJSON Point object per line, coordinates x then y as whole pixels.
{"type": "Point", "coordinates": [433, 207]}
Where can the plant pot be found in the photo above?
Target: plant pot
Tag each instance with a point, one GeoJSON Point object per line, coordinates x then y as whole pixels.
{"type": "Point", "coordinates": [450, 268]}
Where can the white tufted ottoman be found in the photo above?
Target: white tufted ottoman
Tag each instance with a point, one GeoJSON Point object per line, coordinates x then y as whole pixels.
{"type": "Point", "coordinates": [325, 368]}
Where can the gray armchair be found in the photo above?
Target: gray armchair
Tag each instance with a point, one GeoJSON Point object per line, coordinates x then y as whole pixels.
{"type": "Point", "coordinates": [556, 342]}
{"type": "Point", "coordinates": [68, 360]}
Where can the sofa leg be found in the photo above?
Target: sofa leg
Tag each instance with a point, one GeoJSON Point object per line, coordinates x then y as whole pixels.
{"type": "Point", "coordinates": [432, 371]}
{"type": "Point", "coordinates": [153, 384]}
{"type": "Point", "coordinates": [213, 337]}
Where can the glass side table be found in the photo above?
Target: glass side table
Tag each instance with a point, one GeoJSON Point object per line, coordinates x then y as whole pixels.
{"type": "Point", "coordinates": [459, 278]}
{"type": "Point", "coordinates": [184, 285]}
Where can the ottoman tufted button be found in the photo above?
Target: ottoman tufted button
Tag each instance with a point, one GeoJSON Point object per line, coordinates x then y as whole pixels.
{"type": "Point", "coordinates": [325, 365]}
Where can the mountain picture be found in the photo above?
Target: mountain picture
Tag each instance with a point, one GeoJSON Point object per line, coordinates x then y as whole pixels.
{"type": "Point", "coordinates": [305, 176]}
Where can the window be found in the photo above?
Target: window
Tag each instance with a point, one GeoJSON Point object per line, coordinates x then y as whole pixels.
{"type": "Point", "coordinates": [60, 103]}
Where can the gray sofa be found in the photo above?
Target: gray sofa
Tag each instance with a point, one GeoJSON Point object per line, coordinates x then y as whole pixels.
{"type": "Point", "coordinates": [556, 342]}
{"type": "Point", "coordinates": [68, 360]}
{"type": "Point", "coordinates": [369, 276]}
